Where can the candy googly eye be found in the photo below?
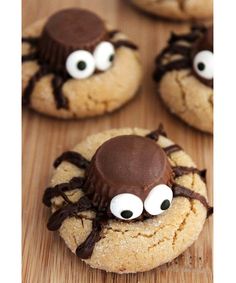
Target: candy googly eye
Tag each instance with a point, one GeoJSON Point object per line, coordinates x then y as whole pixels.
{"type": "Point", "coordinates": [126, 206]}
{"type": "Point", "coordinates": [80, 64]}
{"type": "Point", "coordinates": [158, 200]}
{"type": "Point", "coordinates": [203, 64]}
{"type": "Point", "coordinates": [104, 55]}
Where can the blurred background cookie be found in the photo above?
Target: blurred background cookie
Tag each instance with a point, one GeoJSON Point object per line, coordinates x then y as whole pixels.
{"type": "Point", "coordinates": [181, 10]}
{"type": "Point", "coordinates": [184, 72]}
{"type": "Point", "coordinates": [75, 66]}
{"type": "Point", "coordinates": [127, 200]}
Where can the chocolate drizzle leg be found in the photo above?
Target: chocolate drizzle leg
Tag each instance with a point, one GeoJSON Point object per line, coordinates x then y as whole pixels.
{"type": "Point", "coordinates": [189, 37]}
{"type": "Point", "coordinates": [85, 250]}
{"type": "Point", "coordinates": [183, 170]}
{"type": "Point", "coordinates": [30, 40]}
{"type": "Point", "coordinates": [179, 64]}
{"type": "Point", "coordinates": [57, 80]}
{"type": "Point", "coordinates": [203, 174]}
{"type": "Point", "coordinates": [112, 33]}
{"type": "Point", "coordinates": [172, 148]}
{"type": "Point", "coordinates": [181, 191]}
{"type": "Point", "coordinates": [29, 57]}
{"type": "Point", "coordinates": [61, 100]}
{"type": "Point", "coordinates": [125, 43]}
{"type": "Point", "coordinates": [43, 71]}
{"type": "Point", "coordinates": [155, 134]}
{"type": "Point", "coordinates": [33, 41]}
{"type": "Point", "coordinates": [174, 49]}
{"type": "Point", "coordinates": [73, 157]}
{"type": "Point", "coordinates": [60, 189]}
{"type": "Point", "coordinates": [183, 45]}
{"type": "Point", "coordinates": [70, 210]}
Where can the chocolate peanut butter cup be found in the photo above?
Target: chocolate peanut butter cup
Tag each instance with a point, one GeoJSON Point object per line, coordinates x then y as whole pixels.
{"type": "Point", "coordinates": [124, 164]}
{"type": "Point", "coordinates": [67, 31]}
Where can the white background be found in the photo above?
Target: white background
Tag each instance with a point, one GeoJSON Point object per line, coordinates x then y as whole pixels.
{"type": "Point", "coordinates": [224, 140]}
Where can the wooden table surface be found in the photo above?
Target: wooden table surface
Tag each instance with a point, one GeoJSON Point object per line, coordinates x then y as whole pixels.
{"type": "Point", "coordinates": [46, 259]}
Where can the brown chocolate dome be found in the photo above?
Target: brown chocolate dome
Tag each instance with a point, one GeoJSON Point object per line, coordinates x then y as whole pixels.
{"type": "Point", "coordinates": [126, 164]}
{"type": "Point", "coordinates": [69, 30]}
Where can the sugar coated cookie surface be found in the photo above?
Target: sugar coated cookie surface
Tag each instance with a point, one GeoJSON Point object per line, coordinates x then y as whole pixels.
{"type": "Point", "coordinates": [127, 200]}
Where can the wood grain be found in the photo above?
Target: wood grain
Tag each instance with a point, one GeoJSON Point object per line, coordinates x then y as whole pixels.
{"type": "Point", "coordinates": [45, 257]}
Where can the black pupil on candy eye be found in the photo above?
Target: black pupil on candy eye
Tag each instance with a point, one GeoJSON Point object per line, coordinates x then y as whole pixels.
{"type": "Point", "coordinates": [111, 57]}
{"type": "Point", "coordinates": [165, 204]}
{"type": "Point", "coordinates": [81, 65]}
{"type": "Point", "coordinates": [126, 214]}
{"type": "Point", "coordinates": [201, 66]}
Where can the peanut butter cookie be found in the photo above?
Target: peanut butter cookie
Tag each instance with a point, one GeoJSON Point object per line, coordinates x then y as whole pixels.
{"type": "Point", "coordinates": [127, 200]}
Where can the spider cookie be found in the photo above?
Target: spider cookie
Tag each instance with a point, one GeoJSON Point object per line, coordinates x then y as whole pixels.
{"type": "Point", "coordinates": [127, 200]}
{"type": "Point", "coordinates": [181, 10]}
{"type": "Point", "coordinates": [184, 72]}
{"type": "Point", "coordinates": [75, 66]}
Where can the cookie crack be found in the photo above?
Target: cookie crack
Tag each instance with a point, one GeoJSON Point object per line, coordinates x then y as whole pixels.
{"type": "Point", "coordinates": [183, 94]}
{"type": "Point", "coordinates": [182, 225]}
{"type": "Point", "coordinates": [210, 99]}
{"type": "Point", "coordinates": [103, 103]}
{"type": "Point", "coordinates": [139, 234]}
{"type": "Point", "coordinates": [70, 194]}
{"type": "Point", "coordinates": [164, 239]}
